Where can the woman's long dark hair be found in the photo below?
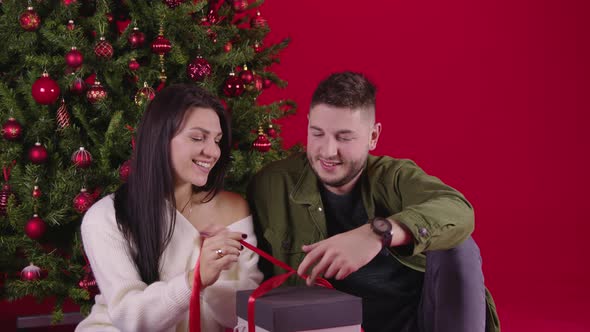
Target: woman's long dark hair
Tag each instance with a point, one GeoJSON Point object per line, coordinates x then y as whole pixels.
{"type": "Point", "coordinates": [146, 202]}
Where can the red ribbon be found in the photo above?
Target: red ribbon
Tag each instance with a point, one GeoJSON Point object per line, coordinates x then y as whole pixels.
{"type": "Point", "coordinates": [271, 283]}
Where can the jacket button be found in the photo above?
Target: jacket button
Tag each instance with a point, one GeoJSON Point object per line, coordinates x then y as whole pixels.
{"type": "Point", "coordinates": [286, 244]}
{"type": "Point", "coordinates": [423, 232]}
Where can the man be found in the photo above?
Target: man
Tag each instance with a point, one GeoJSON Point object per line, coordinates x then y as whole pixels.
{"type": "Point", "coordinates": [376, 227]}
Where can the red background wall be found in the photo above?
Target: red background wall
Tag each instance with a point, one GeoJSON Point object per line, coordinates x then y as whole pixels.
{"type": "Point", "coordinates": [490, 96]}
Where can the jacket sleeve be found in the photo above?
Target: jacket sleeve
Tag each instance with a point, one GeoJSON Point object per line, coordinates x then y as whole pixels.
{"type": "Point", "coordinates": [438, 216]}
{"type": "Point", "coordinates": [219, 299]}
{"type": "Point", "coordinates": [132, 305]}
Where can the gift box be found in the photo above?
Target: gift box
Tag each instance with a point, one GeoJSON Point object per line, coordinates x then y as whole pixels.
{"type": "Point", "coordinates": [290, 309]}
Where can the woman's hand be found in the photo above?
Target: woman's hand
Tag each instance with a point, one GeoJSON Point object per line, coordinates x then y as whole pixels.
{"type": "Point", "coordinates": [220, 251]}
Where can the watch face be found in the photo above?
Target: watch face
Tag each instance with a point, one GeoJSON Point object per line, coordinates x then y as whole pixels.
{"type": "Point", "coordinates": [382, 225]}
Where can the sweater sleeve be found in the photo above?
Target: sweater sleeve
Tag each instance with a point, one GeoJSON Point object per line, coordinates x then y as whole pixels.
{"type": "Point", "coordinates": [219, 299]}
{"type": "Point", "coordinates": [131, 304]}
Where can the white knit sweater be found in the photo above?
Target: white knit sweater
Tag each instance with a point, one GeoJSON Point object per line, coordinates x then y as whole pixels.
{"type": "Point", "coordinates": [127, 304]}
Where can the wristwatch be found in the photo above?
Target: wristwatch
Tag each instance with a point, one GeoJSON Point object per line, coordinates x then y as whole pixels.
{"type": "Point", "coordinates": [383, 228]}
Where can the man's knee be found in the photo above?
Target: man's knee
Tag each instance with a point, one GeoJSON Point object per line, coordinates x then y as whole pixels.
{"type": "Point", "coordinates": [462, 261]}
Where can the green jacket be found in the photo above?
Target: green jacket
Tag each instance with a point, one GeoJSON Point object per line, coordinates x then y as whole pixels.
{"type": "Point", "coordinates": [287, 207]}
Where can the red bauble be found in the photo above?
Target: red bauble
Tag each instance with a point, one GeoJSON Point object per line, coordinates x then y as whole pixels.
{"type": "Point", "coordinates": [74, 58]}
{"type": "Point", "coordinates": [198, 69]}
{"type": "Point", "coordinates": [5, 194]}
{"type": "Point", "coordinates": [88, 283]}
{"type": "Point", "coordinates": [12, 130]}
{"type": "Point", "coordinates": [227, 47]}
{"type": "Point", "coordinates": [136, 38]}
{"type": "Point", "coordinates": [62, 116]}
{"type": "Point", "coordinates": [69, 2]}
{"type": "Point", "coordinates": [103, 49]}
{"type": "Point", "coordinates": [240, 5]}
{"type": "Point", "coordinates": [78, 86]}
{"type": "Point", "coordinates": [233, 86]}
{"type": "Point", "coordinates": [35, 227]}
{"type": "Point", "coordinates": [38, 154]}
{"type": "Point", "coordinates": [82, 158]}
{"type": "Point", "coordinates": [45, 91]}
{"type": "Point", "coordinates": [109, 17]}
{"type": "Point", "coordinates": [36, 193]}
{"type": "Point", "coordinates": [70, 26]}
{"type": "Point", "coordinates": [83, 201]}
{"type": "Point", "coordinates": [124, 170]}
{"type": "Point", "coordinates": [30, 273]}
{"type": "Point", "coordinates": [29, 20]}
{"type": "Point", "coordinates": [271, 131]}
{"type": "Point", "coordinates": [246, 75]}
{"type": "Point", "coordinates": [266, 83]}
{"type": "Point", "coordinates": [258, 82]}
{"type": "Point", "coordinates": [161, 45]}
{"type": "Point", "coordinates": [261, 144]}
{"type": "Point", "coordinates": [258, 21]}
{"type": "Point", "coordinates": [133, 65]}
{"type": "Point", "coordinates": [96, 93]}
{"type": "Point", "coordinates": [173, 3]}
{"type": "Point", "coordinates": [144, 94]}
{"type": "Point", "coordinates": [257, 47]}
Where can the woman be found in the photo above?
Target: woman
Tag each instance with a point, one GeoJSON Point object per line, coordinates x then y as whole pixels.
{"type": "Point", "coordinates": [143, 241]}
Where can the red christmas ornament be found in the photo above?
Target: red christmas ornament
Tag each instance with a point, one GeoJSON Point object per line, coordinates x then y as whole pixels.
{"type": "Point", "coordinates": [78, 86]}
{"type": "Point", "coordinates": [258, 82]}
{"type": "Point", "coordinates": [29, 20]}
{"type": "Point", "coordinates": [161, 45]}
{"type": "Point", "coordinates": [38, 154]}
{"type": "Point", "coordinates": [257, 47]}
{"type": "Point", "coordinates": [271, 131]}
{"type": "Point", "coordinates": [266, 83]}
{"type": "Point", "coordinates": [62, 116]}
{"type": "Point", "coordinates": [96, 93]}
{"type": "Point", "coordinates": [74, 58]}
{"type": "Point", "coordinates": [246, 75]}
{"type": "Point", "coordinates": [109, 17]}
{"type": "Point", "coordinates": [88, 283]}
{"type": "Point", "coordinates": [133, 65]}
{"type": "Point", "coordinates": [227, 47]}
{"type": "Point", "coordinates": [35, 227]}
{"type": "Point", "coordinates": [70, 26]}
{"type": "Point", "coordinates": [258, 21]}
{"type": "Point", "coordinates": [83, 201]}
{"type": "Point", "coordinates": [45, 91]}
{"type": "Point", "coordinates": [36, 193]}
{"type": "Point", "coordinates": [144, 94]}
{"type": "Point", "coordinates": [173, 3]}
{"type": "Point", "coordinates": [240, 6]}
{"type": "Point", "coordinates": [136, 38]}
{"type": "Point", "coordinates": [12, 130]}
{"type": "Point", "coordinates": [261, 144]}
{"type": "Point", "coordinates": [82, 158]}
{"type": "Point", "coordinates": [233, 86]}
{"type": "Point", "coordinates": [125, 170]}
{"type": "Point", "coordinates": [103, 49]}
{"type": "Point", "coordinates": [30, 273]}
{"type": "Point", "coordinates": [5, 194]}
{"type": "Point", "coordinates": [198, 69]}
{"type": "Point", "coordinates": [69, 2]}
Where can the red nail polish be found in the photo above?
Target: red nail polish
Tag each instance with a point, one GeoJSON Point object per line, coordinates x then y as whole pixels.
{"type": "Point", "coordinates": [244, 236]}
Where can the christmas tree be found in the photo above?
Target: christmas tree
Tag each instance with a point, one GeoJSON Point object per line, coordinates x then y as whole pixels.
{"type": "Point", "coordinates": [75, 79]}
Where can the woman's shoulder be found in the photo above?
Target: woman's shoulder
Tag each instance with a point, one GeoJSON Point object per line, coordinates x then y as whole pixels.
{"type": "Point", "coordinates": [231, 207]}
{"type": "Point", "coordinates": [103, 211]}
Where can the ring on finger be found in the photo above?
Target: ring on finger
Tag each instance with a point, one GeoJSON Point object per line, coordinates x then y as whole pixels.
{"type": "Point", "coordinates": [220, 253]}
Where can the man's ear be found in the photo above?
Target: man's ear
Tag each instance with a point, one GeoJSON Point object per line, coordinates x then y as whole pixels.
{"type": "Point", "coordinates": [375, 132]}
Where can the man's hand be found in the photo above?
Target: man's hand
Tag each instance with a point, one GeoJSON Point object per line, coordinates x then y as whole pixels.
{"type": "Point", "coordinates": [341, 254]}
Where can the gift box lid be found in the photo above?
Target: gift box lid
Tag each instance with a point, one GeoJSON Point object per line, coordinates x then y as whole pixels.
{"type": "Point", "coordinates": [288, 309]}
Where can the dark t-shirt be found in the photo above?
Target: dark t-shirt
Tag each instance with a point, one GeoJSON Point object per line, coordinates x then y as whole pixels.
{"type": "Point", "coordinates": [390, 290]}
